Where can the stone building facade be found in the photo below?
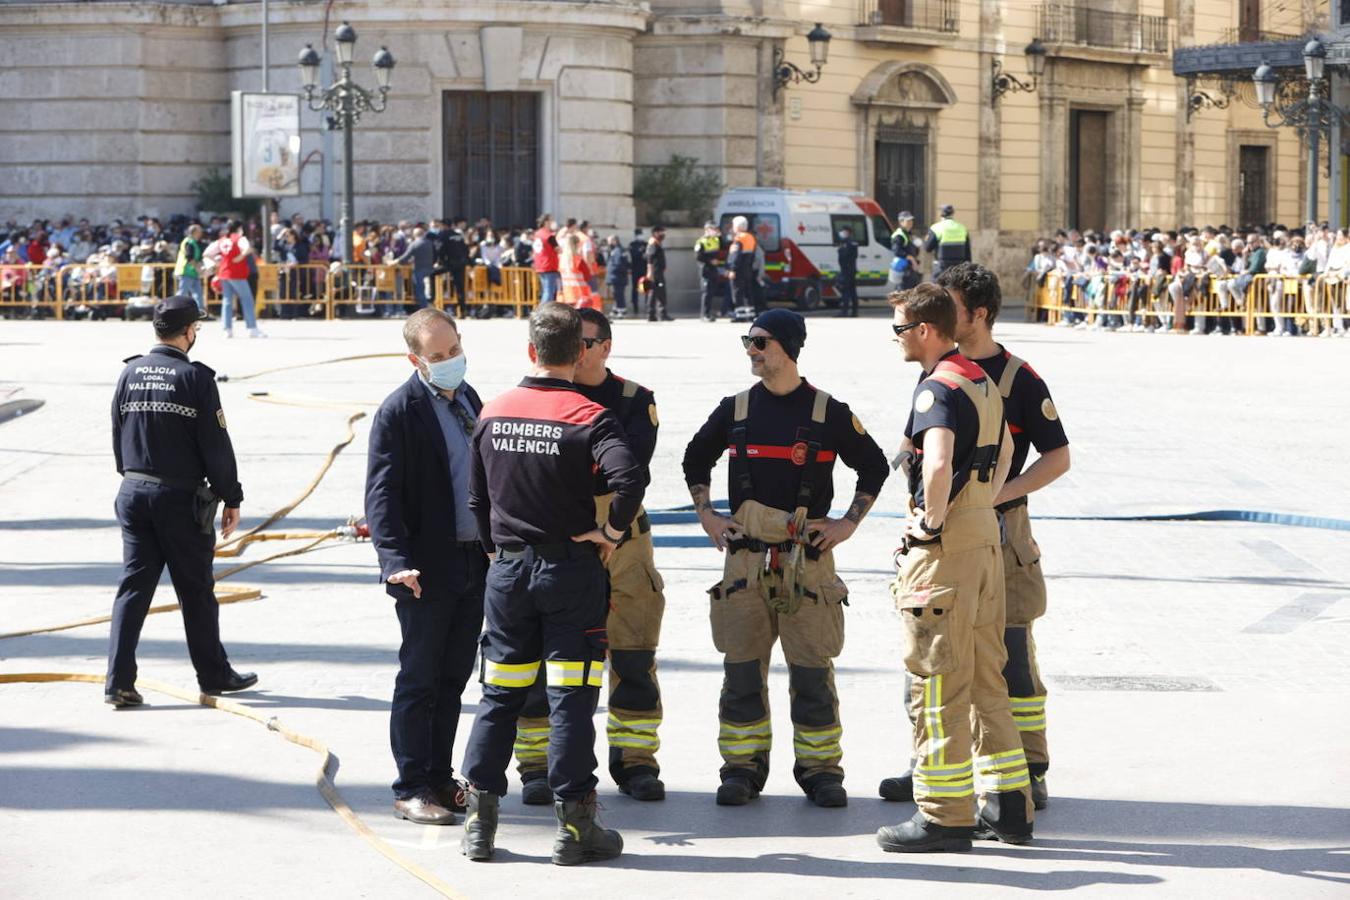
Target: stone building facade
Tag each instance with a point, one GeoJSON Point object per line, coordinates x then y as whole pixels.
{"type": "Point", "coordinates": [509, 107]}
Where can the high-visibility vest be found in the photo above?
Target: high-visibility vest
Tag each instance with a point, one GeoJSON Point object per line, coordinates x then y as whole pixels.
{"type": "Point", "coordinates": [950, 231]}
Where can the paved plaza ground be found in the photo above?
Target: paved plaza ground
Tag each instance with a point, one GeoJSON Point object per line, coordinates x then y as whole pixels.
{"type": "Point", "coordinates": [1197, 669]}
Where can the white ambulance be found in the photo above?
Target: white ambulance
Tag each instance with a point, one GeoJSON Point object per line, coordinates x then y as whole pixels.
{"type": "Point", "coordinates": [799, 231]}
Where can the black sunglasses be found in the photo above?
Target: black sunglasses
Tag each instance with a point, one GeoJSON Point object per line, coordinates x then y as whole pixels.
{"type": "Point", "coordinates": [759, 341]}
{"type": "Point", "coordinates": [591, 342]}
{"type": "Point", "coordinates": [901, 329]}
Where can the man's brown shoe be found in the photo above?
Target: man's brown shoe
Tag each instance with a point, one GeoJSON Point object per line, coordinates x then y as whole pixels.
{"type": "Point", "coordinates": [423, 810]}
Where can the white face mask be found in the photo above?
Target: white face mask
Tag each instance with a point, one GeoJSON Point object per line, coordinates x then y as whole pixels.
{"type": "Point", "coordinates": [447, 374]}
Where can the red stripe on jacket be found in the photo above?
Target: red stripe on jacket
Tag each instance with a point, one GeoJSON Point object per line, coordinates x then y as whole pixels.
{"type": "Point", "coordinates": [544, 404]}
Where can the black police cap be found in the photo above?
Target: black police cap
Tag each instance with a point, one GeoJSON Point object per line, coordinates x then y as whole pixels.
{"type": "Point", "coordinates": [176, 312]}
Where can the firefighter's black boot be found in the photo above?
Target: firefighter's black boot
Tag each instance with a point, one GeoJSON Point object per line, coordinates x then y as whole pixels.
{"type": "Point", "coordinates": [581, 838]}
{"type": "Point", "coordinates": [480, 824]}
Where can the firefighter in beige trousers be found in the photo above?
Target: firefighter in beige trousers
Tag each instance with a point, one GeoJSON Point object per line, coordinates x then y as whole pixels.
{"type": "Point", "coordinates": [636, 604]}
{"type": "Point", "coordinates": [1035, 422]}
{"type": "Point", "coordinates": [779, 579]}
{"type": "Point", "coordinates": [950, 596]}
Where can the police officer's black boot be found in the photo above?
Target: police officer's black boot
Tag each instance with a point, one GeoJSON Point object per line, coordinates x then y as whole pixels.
{"type": "Point", "coordinates": [581, 838]}
{"type": "Point", "coordinates": [535, 791]}
{"type": "Point", "coordinates": [900, 787]}
{"type": "Point", "coordinates": [480, 824]}
{"type": "Point", "coordinates": [919, 835]}
{"type": "Point", "coordinates": [1004, 818]}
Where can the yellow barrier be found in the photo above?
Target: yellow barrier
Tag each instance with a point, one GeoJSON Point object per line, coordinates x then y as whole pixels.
{"type": "Point", "coordinates": [1255, 305]}
{"type": "Point", "coordinates": [518, 288]}
{"type": "Point", "coordinates": [109, 290]}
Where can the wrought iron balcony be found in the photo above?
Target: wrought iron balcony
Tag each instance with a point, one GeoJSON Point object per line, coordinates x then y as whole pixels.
{"type": "Point", "coordinates": [1072, 23]}
{"type": "Point", "coordinates": [941, 16]}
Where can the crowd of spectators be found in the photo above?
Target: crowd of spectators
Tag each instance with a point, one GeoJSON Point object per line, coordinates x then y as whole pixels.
{"type": "Point", "coordinates": [1148, 280]}
{"type": "Point", "coordinates": [83, 257]}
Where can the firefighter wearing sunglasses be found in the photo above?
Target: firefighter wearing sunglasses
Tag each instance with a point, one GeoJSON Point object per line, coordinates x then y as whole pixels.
{"type": "Point", "coordinates": [783, 436]}
{"type": "Point", "coordinates": [949, 594]}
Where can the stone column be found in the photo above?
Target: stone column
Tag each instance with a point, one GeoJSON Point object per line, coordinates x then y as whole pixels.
{"type": "Point", "coordinates": [1185, 132]}
{"type": "Point", "coordinates": [991, 153]}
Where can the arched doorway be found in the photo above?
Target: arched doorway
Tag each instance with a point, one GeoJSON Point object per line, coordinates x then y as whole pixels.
{"type": "Point", "coordinates": [900, 102]}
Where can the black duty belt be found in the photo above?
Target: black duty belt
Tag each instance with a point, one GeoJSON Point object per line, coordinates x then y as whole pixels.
{"type": "Point", "coordinates": [1012, 504]}
{"type": "Point", "coordinates": [641, 525]}
{"type": "Point", "coordinates": [754, 545]}
{"type": "Point", "coordinates": [182, 484]}
{"type": "Point", "coordinates": [551, 552]}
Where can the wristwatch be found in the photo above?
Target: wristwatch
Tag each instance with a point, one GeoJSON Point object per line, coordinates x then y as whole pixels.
{"type": "Point", "coordinates": [923, 526]}
{"type": "Point", "coordinates": [604, 529]}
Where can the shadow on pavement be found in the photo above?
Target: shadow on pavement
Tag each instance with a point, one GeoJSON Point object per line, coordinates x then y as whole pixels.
{"type": "Point", "coordinates": [894, 866]}
{"type": "Point", "coordinates": [70, 788]}
{"type": "Point", "coordinates": [244, 654]}
{"type": "Point", "coordinates": [27, 740]}
{"type": "Point", "coordinates": [1318, 863]}
{"type": "Point", "coordinates": [108, 574]}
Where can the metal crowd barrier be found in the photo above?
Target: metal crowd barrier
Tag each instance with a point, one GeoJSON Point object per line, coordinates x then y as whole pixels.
{"type": "Point", "coordinates": [517, 288]}
{"type": "Point", "coordinates": [1257, 304]}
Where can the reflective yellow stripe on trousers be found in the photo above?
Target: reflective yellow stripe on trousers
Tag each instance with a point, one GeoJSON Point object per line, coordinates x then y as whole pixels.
{"type": "Point", "coordinates": [638, 734]}
{"type": "Point", "coordinates": [511, 675]}
{"type": "Point", "coordinates": [817, 744]}
{"type": "Point", "coordinates": [999, 772]}
{"type": "Point", "coordinates": [1028, 713]}
{"type": "Point", "coordinates": [735, 740]}
{"type": "Point", "coordinates": [575, 673]}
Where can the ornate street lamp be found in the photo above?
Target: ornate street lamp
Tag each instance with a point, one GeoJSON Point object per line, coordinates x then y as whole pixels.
{"type": "Point", "coordinates": [346, 100]}
{"type": "Point", "coordinates": [1007, 83]}
{"type": "Point", "coordinates": [1312, 116]}
{"type": "Point", "coordinates": [785, 73]}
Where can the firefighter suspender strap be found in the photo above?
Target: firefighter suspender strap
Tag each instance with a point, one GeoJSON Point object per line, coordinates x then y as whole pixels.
{"type": "Point", "coordinates": [807, 486]}
{"type": "Point", "coordinates": [1005, 384]}
{"type": "Point", "coordinates": [740, 413]}
{"type": "Point", "coordinates": [740, 463]}
{"type": "Point", "coordinates": [990, 438]}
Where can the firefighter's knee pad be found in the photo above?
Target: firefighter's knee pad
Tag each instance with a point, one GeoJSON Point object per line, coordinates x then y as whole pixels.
{"type": "Point", "coordinates": [742, 692]}
{"type": "Point", "coordinates": [812, 699]}
{"type": "Point", "coordinates": [1017, 671]}
{"type": "Point", "coordinates": [635, 688]}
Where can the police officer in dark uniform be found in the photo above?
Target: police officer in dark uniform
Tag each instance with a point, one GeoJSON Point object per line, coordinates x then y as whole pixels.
{"type": "Point", "coordinates": [537, 449]}
{"type": "Point", "coordinates": [779, 580]}
{"type": "Point", "coordinates": [170, 443]}
{"type": "Point", "coordinates": [637, 254]}
{"type": "Point", "coordinates": [636, 603]}
{"type": "Point", "coordinates": [848, 274]}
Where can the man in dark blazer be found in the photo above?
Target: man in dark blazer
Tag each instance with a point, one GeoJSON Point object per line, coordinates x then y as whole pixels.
{"type": "Point", "coordinates": [431, 562]}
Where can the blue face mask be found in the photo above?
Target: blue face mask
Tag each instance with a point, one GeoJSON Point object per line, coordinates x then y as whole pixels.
{"type": "Point", "coordinates": [448, 374]}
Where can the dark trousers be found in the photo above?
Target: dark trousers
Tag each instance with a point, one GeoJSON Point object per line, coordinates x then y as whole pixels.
{"type": "Point", "coordinates": [848, 296]}
{"type": "Point", "coordinates": [544, 617]}
{"type": "Point", "coordinates": [710, 295]}
{"type": "Point", "coordinates": [457, 285]}
{"type": "Point", "coordinates": [440, 638]}
{"type": "Point", "coordinates": [656, 301]}
{"type": "Point", "coordinates": [742, 292]}
{"type": "Point", "coordinates": [620, 291]}
{"type": "Point", "coordinates": [159, 528]}
{"type": "Point", "coordinates": [638, 272]}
